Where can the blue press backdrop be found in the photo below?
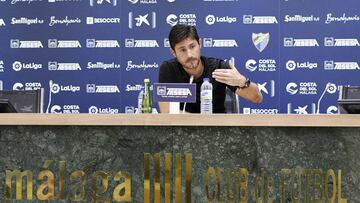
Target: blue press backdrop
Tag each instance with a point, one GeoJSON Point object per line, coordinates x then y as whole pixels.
{"type": "Point", "coordinates": [92, 55]}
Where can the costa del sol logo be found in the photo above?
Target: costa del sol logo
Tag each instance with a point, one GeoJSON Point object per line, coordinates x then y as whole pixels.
{"type": "Point", "coordinates": [143, 1]}
{"type": "Point", "coordinates": [2, 22]}
{"type": "Point", "coordinates": [260, 40]}
{"type": "Point", "coordinates": [262, 65]}
{"type": "Point", "coordinates": [303, 88]}
{"type": "Point", "coordinates": [187, 19]}
{"type": "Point", "coordinates": [68, 108]}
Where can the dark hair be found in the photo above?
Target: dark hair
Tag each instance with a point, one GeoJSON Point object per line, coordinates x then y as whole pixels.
{"type": "Point", "coordinates": [180, 32]}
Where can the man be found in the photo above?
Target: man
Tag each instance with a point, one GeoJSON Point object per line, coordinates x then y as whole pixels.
{"type": "Point", "coordinates": [185, 47]}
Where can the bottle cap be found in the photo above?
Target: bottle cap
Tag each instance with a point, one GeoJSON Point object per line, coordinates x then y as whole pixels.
{"type": "Point", "coordinates": [146, 80]}
{"type": "Point", "coordinates": [206, 79]}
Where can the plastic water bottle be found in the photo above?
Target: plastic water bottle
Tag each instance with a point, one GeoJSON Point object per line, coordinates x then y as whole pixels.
{"type": "Point", "coordinates": [206, 97]}
{"type": "Point", "coordinates": [140, 99]}
{"type": "Point", "coordinates": [146, 106]}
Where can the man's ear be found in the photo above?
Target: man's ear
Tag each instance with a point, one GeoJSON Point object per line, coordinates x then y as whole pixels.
{"type": "Point", "coordinates": [200, 42]}
{"type": "Point", "coordinates": [173, 52]}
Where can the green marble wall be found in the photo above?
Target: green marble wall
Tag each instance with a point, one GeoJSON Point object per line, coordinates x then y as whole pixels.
{"type": "Point", "coordinates": [261, 150]}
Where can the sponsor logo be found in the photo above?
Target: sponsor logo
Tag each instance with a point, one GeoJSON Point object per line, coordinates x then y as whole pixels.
{"type": "Point", "coordinates": [166, 42]}
{"type": "Point", "coordinates": [143, 1]}
{"type": "Point", "coordinates": [1, 66]}
{"type": "Point", "coordinates": [94, 43]}
{"type": "Point", "coordinates": [68, 108]}
{"type": "Point", "coordinates": [2, 22]}
{"type": "Point", "coordinates": [210, 42]}
{"type": "Point", "coordinates": [247, 110]}
{"type": "Point", "coordinates": [262, 65]}
{"type": "Point", "coordinates": [65, 21]}
{"type": "Point", "coordinates": [341, 19]}
{"type": "Point", "coordinates": [24, 1]}
{"type": "Point", "coordinates": [26, 21]}
{"type": "Point", "coordinates": [133, 43]}
{"type": "Point", "coordinates": [103, 2]}
{"type": "Point", "coordinates": [93, 88]}
{"type": "Point", "coordinates": [335, 65]}
{"type": "Point", "coordinates": [54, 66]}
{"type": "Point", "coordinates": [303, 88]}
{"type": "Point", "coordinates": [19, 44]}
{"type": "Point", "coordinates": [187, 19]}
{"type": "Point", "coordinates": [141, 66]}
{"type": "Point", "coordinates": [292, 65]}
{"type": "Point", "coordinates": [332, 110]}
{"type": "Point", "coordinates": [56, 88]}
{"type": "Point", "coordinates": [173, 91]}
{"type": "Point", "coordinates": [301, 109]}
{"type": "Point", "coordinates": [333, 42]}
{"type": "Point", "coordinates": [291, 42]}
{"type": "Point", "coordinates": [27, 86]}
{"type": "Point", "coordinates": [268, 89]}
{"type": "Point", "coordinates": [136, 87]}
{"type": "Point", "coordinates": [141, 20]}
{"type": "Point", "coordinates": [260, 40]}
{"type": "Point", "coordinates": [130, 109]}
{"type": "Point", "coordinates": [98, 110]}
{"type": "Point", "coordinates": [250, 19]}
{"type": "Point", "coordinates": [102, 65]}
{"type": "Point", "coordinates": [301, 18]}
{"type": "Point", "coordinates": [18, 66]}
{"type": "Point", "coordinates": [92, 20]}
{"type": "Point", "coordinates": [54, 43]}
{"type": "Point", "coordinates": [211, 19]}
{"type": "Point", "coordinates": [331, 88]}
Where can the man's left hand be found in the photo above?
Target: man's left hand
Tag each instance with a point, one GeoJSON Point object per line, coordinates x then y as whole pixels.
{"type": "Point", "coordinates": [230, 76]}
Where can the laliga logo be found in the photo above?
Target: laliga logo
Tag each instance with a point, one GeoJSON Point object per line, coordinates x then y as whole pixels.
{"type": "Point", "coordinates": [172, 19]}
{"type": "Point", "coordinates": [251, 65]}
{"type": "Point", "coordinates": [210, 19]}
{"type": "Point", "coordinates": [93, 110]}
{"type": "Point", "coordinates": [55, 88]}
{"type": "Point", "coordinates": [331, 88]}
{"type": "Point", "coordinates": [292, 88]}
{"type": "Point", "coordinates": [291, 65]}
{"type": "Point", "coordinates": [17, 66]}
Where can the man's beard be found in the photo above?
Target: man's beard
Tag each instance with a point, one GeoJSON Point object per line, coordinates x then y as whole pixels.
{"type": "Point", "coordinates": [192, 63]}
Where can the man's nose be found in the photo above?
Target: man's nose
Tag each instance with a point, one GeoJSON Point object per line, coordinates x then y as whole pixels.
{"type": "Point", "coordinates": [189, 53]}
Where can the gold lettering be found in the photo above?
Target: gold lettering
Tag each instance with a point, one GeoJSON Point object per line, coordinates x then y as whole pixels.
{"type": "Point", "coordinates": [230, 175]}
{"type": "Point", "coordinates": [317, 186]}
{"type": "Point", "coordinates": [146, 178]}
{"type": "Point", "coordinates": [188, 171]}
{"type": "Point", "coordinates": [19, 178]}
{"type": "Point", "coordinates": [244, 189]}
{"type": "Point", "coordinates": [220, 197]}
{"type": "Point", "coordinates": [157, 178]}
{"type": "Point", "coordinates": [48, 186]}
{"type": "Point", "coordinates": [104, 181]}
{"type": "Point", "coordinates": [78, 190]}
{"type": "Point", "coordinates": [269, 190]}
{"type": "Point", "coordinates": [294, 198]}
{"type": "Point", "coordinates": [210, 173]}
{"type": "Point", "coordinates": [167, 178]}
{"type": "Point", "coordinates": [259, 188]}
{"type": "Point", "coordinates": [62, 166]}
{"type": "Point", "coordinates": [330, 173]}
{"type": "Point", "coordinates": [284, 184]}
{"type": "Point", "coordinates": [307, 173]}
{"type": "Point", "coordinates": [177, 178]}
{"type": "Point", "coordinates": [124, 186]}
{"type": "Point", "coordinates": [340, 199]}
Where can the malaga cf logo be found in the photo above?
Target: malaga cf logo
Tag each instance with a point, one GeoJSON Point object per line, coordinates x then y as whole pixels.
{"type": "Point", "coordinates": [260, 40]}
